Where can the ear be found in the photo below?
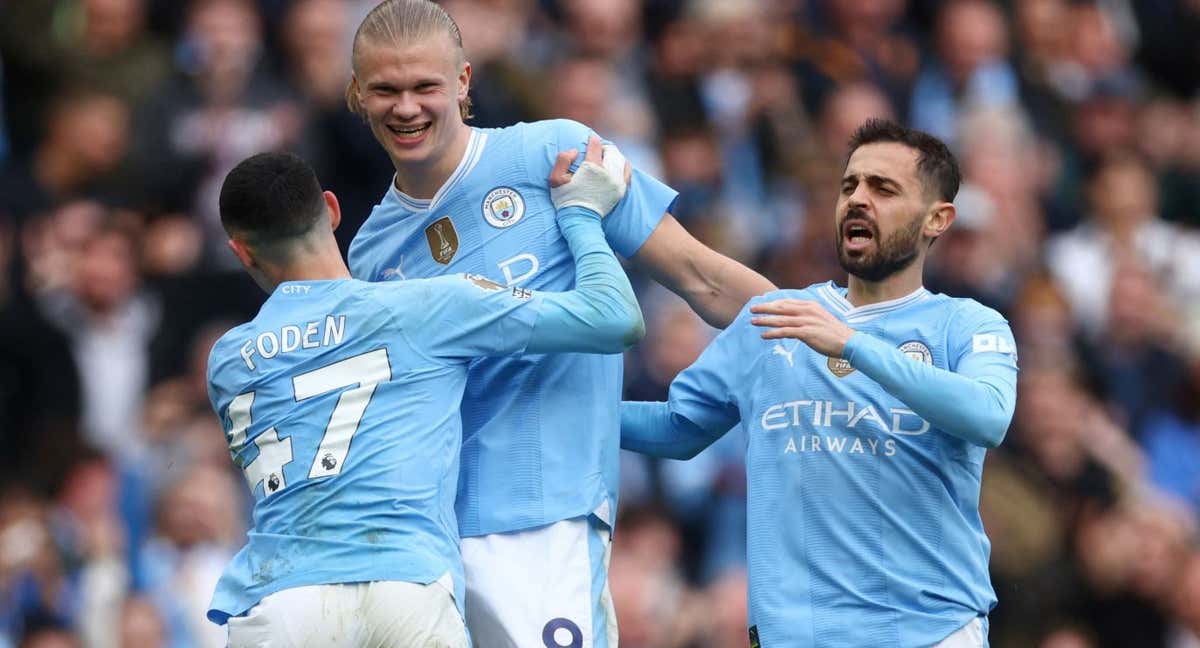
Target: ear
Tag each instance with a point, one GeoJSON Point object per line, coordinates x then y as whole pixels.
{"type": "Point", "coordinates": [464, 81]}
{"type": "Point", "coordinates": [243, 252]}
{"type": "Point", "coordinates": [938, 220]}
{"type": "Point", "coordinates": [335, 210]}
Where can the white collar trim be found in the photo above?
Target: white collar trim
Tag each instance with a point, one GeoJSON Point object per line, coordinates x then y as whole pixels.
{"type": "Point", "coordinates": [838, 301]}
{"type": "Point", "coordinates": [469, 159]}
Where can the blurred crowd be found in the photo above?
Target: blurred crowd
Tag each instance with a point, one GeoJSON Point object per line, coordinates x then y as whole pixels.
{"type": "Point", "coordinates": [1076, 122]}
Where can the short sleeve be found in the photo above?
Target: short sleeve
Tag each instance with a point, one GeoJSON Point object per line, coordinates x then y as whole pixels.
{"type": "Point", "coordinates": [638, 214]}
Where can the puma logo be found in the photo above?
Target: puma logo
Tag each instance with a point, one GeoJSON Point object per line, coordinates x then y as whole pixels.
{"type": "Point", "coordinates": [779, 350]}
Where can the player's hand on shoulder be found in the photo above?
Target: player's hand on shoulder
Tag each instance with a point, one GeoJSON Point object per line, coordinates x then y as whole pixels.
{"type": "Point", "coordinates": [598, 184]}
{"type": "Point", "coordinates": [802, 320]}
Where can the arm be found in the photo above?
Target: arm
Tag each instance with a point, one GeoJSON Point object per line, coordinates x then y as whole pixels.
{"type": "Point", "coordinates": [702, 405]}
{"type": "Point", "coordinates": [601, 315]}
{"type": "Point", "coordinates": [715, 286]}
{"type": "Point", "coordinates": [653, 429]}
{"type": "Point", "coordinates": [975, 403]}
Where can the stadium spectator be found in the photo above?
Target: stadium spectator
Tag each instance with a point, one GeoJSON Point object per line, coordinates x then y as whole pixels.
{"type": "Point", "coordinates": [1123, 223]}
{"type": "Point", "coordinates": [970, 69]}
{"type": "Point", "coordinates": [224, 106]}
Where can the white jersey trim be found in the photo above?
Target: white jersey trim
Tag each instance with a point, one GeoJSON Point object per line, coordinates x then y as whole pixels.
{"type": "Point", "coordinates": [469, 159]}
{"type": "Point", "coordinates": [838, 301]}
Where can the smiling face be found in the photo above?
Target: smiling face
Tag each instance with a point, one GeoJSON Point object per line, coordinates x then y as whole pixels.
{"type": "Point", "coordinates": [411, 95]}
{"type": "Point", "coordinates": [883, 211]}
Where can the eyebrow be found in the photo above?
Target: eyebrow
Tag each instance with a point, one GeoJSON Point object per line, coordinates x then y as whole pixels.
{"type": "Point", "coordinates": [372, 85]}
{"type": "Point", "coordinates": [874, 179]}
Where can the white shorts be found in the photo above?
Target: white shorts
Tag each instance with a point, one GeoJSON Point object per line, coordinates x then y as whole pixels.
{"type": "Point", "coordinates": [379, 614]}
{"type": "Point", "coordinates": [971, 635]}
{"type": "Point", "coordinates": [541, 588]}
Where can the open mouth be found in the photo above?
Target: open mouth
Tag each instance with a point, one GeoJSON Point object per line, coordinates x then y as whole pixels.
{"type": "Point", "coordinates": [857, 232]}
{"type": "Point", "coordinates": [409, 132]}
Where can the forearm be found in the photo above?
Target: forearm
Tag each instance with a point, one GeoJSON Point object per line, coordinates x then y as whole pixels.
{"type": "Point", "coordinates": [601, 315]}
{"type": "Point", "coordinates": [724, 289]}
{"type": "Point", "coordinates": [651, 428]}
{"type": "Point", "coordinates": [976, 409]}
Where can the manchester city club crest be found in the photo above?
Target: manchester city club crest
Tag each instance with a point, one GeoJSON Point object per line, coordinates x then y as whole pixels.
{"type": "Point", "coordinates": [917, 351]}
{"type": "Point", "coordinates": [443, 240]}
{"type": "Point", "coordinates": [503, 207]}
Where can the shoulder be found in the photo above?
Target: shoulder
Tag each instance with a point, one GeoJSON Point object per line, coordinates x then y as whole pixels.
{"type": "Point", "coordinates": [550, 131]}
{"type": "Point", "coordinates": [416, 296]}
{"type": "Point", "coordinates": [788, 293]}
{"type": "Point", "coordinates": [969, 311]}
{"type": "Point", "coordinates": [742, 321]}
{"type": "Point", "coordinates": [225, 365]}
{"type": "Point", "coordinates": [807, 294]}
{"type": "Point", "coordinates": [365, 241]}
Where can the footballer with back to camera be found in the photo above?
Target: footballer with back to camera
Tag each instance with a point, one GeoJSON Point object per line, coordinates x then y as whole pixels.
{"type": "Point", "coordinates": [340, 403]}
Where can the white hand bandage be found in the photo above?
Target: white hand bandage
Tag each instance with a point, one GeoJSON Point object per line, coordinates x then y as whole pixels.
{"type": "Point", "coordinates": [598, 187]}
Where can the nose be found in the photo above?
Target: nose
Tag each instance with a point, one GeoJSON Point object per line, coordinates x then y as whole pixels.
{"type": "Point", "coordinates": [860, 197]}
{"type": "Point", "coordinates": [406, 106]}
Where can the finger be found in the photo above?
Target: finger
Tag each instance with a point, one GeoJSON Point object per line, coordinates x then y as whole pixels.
{"type": "Point", "coordinates": [785, 307]}
{"type": "Point", "coordinates": [614, 161]}
{"type": "Point", "coordinates": [784, 333]}
{"type": "Point", "coordinates": [776, 308]}
{"type": "Point", "coordinates": [778, 321]}
{"type": "Point", "coordinates": [595, 150]}
{"type": "Point", "coordinates": [628, 172]}
{"type": "Point", "coordinates": [561, 173]}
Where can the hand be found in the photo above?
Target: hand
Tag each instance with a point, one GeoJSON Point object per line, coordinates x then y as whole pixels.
{"type": "Point", "coordinates": [806, 321]}
{"type": "Point", "coordinates": [598, 184]}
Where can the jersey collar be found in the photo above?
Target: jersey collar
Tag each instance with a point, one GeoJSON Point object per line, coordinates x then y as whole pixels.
{"type": "Point", "coordinates": [469, 159]}
{"type": "Point", "coordinates": [835, 296]}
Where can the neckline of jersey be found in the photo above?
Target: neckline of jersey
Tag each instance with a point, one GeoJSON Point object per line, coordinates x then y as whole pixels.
{"type": "Point", "coordinates": [834, 295]}
{"type": "Point", "coordinates": [319, 283]}
{"type": "Point", "coordinates": [469, 159]}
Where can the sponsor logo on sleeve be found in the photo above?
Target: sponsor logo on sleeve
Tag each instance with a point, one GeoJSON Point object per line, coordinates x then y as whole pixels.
{"type": "Point", "coordinates": [503, 207]}
{"type": "Point", "coordinates": [991, 343]}
{"type": "Point", "coordinates": [443, 240]}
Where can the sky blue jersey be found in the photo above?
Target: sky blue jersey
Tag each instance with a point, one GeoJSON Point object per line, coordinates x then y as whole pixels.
{"type": "Point", "coordinates": [863, 471]}
{"type": "Point", "coordinates": [340, 404]}
{"type": "Point", "coordinates": [540, 439]}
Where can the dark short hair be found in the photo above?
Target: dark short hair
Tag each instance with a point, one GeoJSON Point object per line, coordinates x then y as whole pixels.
{"type": "Point", "coordinates": [935, 163]}
{"type": "Point", "coordinates": [270, 198]}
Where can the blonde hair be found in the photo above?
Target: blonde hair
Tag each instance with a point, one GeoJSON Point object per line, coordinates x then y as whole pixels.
{"type": "Point", "coordinates": [403, 21]}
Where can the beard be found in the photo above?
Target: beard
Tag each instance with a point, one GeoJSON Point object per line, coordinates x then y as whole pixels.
{"type": "Point", "coordinates": [890, 255]}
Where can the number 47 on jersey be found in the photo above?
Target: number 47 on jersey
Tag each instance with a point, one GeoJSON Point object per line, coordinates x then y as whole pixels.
{"type": "Point", "coordinates": [362, 372]}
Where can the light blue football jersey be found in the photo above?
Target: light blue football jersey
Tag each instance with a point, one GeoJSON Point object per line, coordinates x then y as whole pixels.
{"type": "Point", "coordinates": [863, 522]}
{"type": "Point", "coordinates": [340, 403]}
{"type": "Point", "coordinates": [540, 431]}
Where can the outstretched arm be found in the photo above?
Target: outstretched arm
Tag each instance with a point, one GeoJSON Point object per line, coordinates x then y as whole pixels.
{"type": "Point", "coordinates": [715, 286]}
{"type": "Point", "coordinates": [703, 401]}
{"type": "Point", "coordinates": [651, 428]}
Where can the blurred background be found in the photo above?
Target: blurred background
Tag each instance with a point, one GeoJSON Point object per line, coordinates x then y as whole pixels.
{"type": "Point", "coordinates": [1077, 124]}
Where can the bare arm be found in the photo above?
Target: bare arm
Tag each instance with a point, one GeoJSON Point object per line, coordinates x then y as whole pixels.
{"type": "Point", "coordinates": [715, 286]}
